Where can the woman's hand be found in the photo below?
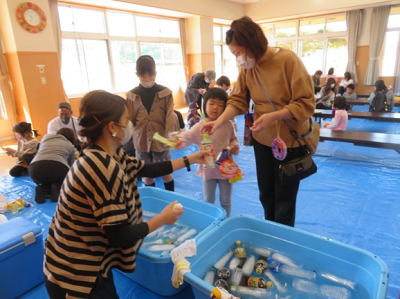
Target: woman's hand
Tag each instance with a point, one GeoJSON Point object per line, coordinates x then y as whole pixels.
{"type": "Point", "coordinates": [198, 157]}
{"type": "Point", "coordinates": [210, 127]}
{"type": "Point", "coordinates": [171, 215]}
{"type": "Point", "coordinates": [9, 150]}
{"type": "Point", "coordinates": [262, 123]}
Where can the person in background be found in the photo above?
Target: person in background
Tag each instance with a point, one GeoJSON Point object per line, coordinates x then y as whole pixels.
{"type": "Point", "coordinates": [316, 82]}
{"type": "Point", "coordinates": [26, 148]}
{"type": "Point", "coordinates": [345, 82]}
{"type": "Point", "coordinates": [289, 86]}
{"type": "Point", "coordinates": [214, 102]}
{"type": "Point", "coordinates": [225, 84]}
{"type": "Point", "coordinates": [180, 119]}
{"type": "Point", "coordinates": [328, 93]}
{"type": "Point", "coordinates": [380, 87]}
{"type": "Point", "coordinates": [331, 75]}
{"type": "Point", "coordinates": [350, 95]}
{"type": "Point", "coordinates": [98, 223]}
{"type": "Point", "coordinates": [193, 116]}
{"type": "Point", "coordinates": [64, 120]}
{"type": "Point", "coordinates": [151, 109]}
{"type": "Point", "coordinates": [340, 120]}
{"type": "Point", "coordinates": [197, 86]}
{"type": "Point", "coordinates": [52, 162]}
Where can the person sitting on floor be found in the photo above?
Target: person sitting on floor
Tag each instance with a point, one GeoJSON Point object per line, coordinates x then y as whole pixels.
{"type": "Point", "coordinates": [340, 120]}
{"type": "Point", "coordinates": [52, 162]}
{"type": "Point", "coordinates": [350, 95]}
{"type": "Point", "coordinates": [26, 149]}
{"type": "Point", "coordinates": [193, 116]}
{"type": "Point", "coordinates": [345, 82]}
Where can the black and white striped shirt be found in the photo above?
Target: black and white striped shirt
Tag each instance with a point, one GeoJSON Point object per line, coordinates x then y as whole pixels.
{"type": "Point", "coordinates": [99, 191]}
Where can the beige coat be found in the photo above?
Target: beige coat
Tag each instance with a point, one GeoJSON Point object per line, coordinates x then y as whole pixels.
{"type": "Point", "coordinates": [162, 119]}
{"type": "Point", "coordinates": [287, 84]}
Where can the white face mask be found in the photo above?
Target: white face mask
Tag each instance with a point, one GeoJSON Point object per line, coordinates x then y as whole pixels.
{"type": "Point", "coordinates": [128, 132]}
{"type": "Point", "coordinates": [333, 85]}
{"type": "Point", "coordinates": [245, 62]}
{"type": "Point", "coordinates": [148, 84]}
{"type": "Point", "coordinates": [208, 81]}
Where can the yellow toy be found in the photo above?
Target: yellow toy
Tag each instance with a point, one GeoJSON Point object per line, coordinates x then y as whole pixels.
{"type": "Point", "coordinates": [17, 205]}
{"type": "Point", "coordinates": [171, 144]}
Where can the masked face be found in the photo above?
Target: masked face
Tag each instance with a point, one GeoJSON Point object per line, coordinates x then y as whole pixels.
{"type": "Point", "coordinates": [128, 132]}
{"type": "Point", "coordinates": [207, 80]}
{"type": "Point", "coordinates": [245, 62]}
{"type": "Point", "coordinates": [148, 84]}
{"type": "Point", "coordinates": [333, 85]}
{"type": "Point", "coordinates": [65, 115]}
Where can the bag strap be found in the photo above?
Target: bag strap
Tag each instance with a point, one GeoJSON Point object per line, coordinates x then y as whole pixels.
{"type": "Point", "coordinates": [293, 132]}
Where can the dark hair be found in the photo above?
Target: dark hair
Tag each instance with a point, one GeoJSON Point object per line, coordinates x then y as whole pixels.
{"type": "Point", "coordinates": [328, 87]}
{"type": "Point", "coordinates": [223, 80]}
{"type": "Point", "coordinates": [340, 103]}
{"type": "Point", "coordinates": [97, 109]}
{"type": "Point", "coordinates": [347, 75]}
{"type": "Point", "coordinates": [331, 71]}
{"type": "Point", "coordinates": [67, 133]}
{"type": "Point", "coordinates": [351, 86]}
{"type": "Point", "coordinates": [214, 93]}
{"type": "Point", "coordinates": [23, 128]}
{"type": "Point", "coordinates": [380, 85]}
{"type": "Point", "coordinates": [145, 64]}
{"type": "Point", "coordinates": [244, 32]}
{"type": "Point", "coordinates": [319, 72]}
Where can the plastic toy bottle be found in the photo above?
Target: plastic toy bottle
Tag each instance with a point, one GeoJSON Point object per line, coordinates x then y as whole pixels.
{"type": "Point", "coordinates": [260, 265]}
{"type": "Point", "coordinates": [240, 251]}
{"type": "Point", "coordinates": [221, 262]}
{"type": "Point", "coordinates": [255, 292]}
{"type": "Point", "coordinates": [221, 283]}
{"type": "Point", "coordinates": [297, 272]}
{"type": "Point", "coordinates": [209, 278]}
{"type": "Point", "coordinates": [259, 282]}
{"type": "Point", "coordinates": [236, 278]}
{"type": "Point", "coordinates": [249, 265]}
{"type": "Point", "coordinates": [206, 144]}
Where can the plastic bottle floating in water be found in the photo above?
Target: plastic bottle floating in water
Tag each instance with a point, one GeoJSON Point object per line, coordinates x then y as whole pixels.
{"type": "Point", "coordinates": [240, 250]}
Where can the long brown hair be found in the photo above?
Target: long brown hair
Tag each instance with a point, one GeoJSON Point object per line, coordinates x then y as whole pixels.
{"type": "Point", "coordinates": [244, 32]}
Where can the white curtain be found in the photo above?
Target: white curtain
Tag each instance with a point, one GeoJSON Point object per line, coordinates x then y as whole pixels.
{"type": "Point", "coordinates": [379, 20]}
{"type": "Point", "coordinates": [354, 21]}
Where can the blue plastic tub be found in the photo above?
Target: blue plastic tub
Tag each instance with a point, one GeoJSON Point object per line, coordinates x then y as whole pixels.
{"type": "Point", "coordinates": [369, 273]}
{"type": "Point", "coordinates": [154, 270]}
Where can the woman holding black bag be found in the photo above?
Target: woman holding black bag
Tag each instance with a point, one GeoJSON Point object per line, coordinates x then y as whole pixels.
{"type": "Point", "coordinates": [283, 94]}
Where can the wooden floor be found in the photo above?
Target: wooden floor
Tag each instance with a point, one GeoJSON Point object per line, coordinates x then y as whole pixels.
{"type": "Point", "coordinates": [6, 162]}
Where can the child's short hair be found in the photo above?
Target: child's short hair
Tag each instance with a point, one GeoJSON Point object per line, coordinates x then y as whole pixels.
{"type": "Point", "coordinates": [24, 127]}
{"type": "Point", "coordinates": [223, 80]}
{"type": "Point", "coordinates": [145, 64]}
{"type": "Point", "coordinates": [351, 86]}
{"type": "Point", "coordinates": [214, 93]}
{"type": "Point", "coordinates": [340, 103]}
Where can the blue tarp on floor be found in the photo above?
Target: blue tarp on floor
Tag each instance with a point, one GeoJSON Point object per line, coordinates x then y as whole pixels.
{"type": "Point", "coordinates": [354, 199]}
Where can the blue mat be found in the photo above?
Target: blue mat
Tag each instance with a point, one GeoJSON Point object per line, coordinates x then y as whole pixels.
{"type": "Point", "coordinates": [352, 199]}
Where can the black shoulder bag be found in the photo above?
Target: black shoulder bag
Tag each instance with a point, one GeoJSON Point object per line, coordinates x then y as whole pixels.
{"type": "Point", "coordinates": [300, 168]}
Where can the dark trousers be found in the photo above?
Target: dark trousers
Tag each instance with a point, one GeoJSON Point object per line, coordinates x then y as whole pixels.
{"type": "Point", "coordinates": [279, 202]}
{"type": "Point", "coordinates": [104, 289]}
{"type": "Point", "coordinates": [48, 172]}
{"type": "Point", "coordinates": [22, 167]}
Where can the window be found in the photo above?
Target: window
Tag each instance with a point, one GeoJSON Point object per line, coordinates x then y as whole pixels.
{"type": "Point", "coordinates": [102, 53]}
{"type": "Point", "coordinates": [320, 42]}
{"type": "Point", "coordinates": [225, 62]}
{"type": "Point", "coordinates": [389, 57]}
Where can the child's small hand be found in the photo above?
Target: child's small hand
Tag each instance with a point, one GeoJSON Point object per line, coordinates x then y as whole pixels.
{"type": "Point", "coordinates": [234, 149]}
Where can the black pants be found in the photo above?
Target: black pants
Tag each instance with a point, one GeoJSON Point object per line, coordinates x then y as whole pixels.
{"type": "Point", "coordinates": [48, 172]}
{"type": "Point", "coordinates": [279, 202]}
{"type": "Point", "coordinates": [104, 289]}
{"type": "Point", "coordinates": [22, 168]}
